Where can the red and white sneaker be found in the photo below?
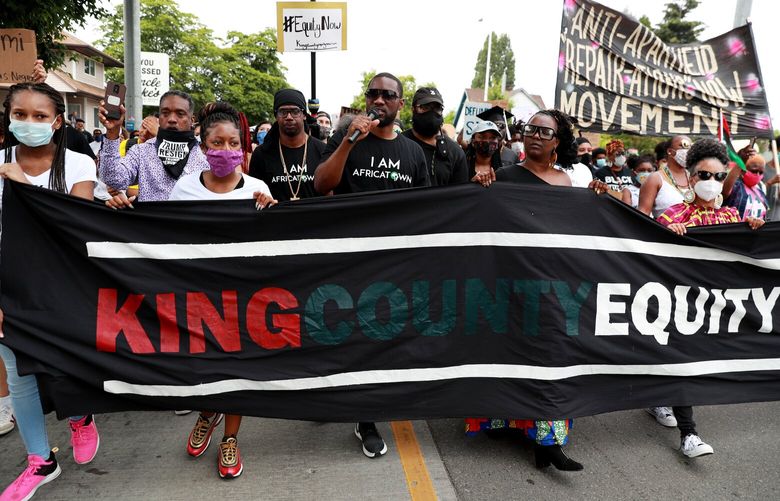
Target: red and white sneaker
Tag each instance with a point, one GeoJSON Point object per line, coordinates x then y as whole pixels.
{"type": "Point", "coordinates": [200, 436]}
{"type": "Point", "coordinates": [84, 438]}
{"type": "Point", "coordinates": [39, 471]}
{"type": "Point", "coordinates": [229, 463]}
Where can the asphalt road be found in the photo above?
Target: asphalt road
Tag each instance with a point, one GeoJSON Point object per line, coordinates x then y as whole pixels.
{"type": "Point", "coordinates": [626, 456]}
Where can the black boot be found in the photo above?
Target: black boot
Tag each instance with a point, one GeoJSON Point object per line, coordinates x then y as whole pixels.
{"type": "Point", "coordinates": [547, 455]}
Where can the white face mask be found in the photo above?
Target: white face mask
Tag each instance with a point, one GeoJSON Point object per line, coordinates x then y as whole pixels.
{"type": "Point", "coordinates": [620, 160]}
{"type": "Point", "coordinates": [517, 147]}
{"type": "Point", "coordinates": [680, 156]}
{"type": "Point", "coordinates": [708, 190]}
{"type": "Point", "coordinates": [641, 176]}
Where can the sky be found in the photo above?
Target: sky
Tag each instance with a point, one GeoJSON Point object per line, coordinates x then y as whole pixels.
{"type": "Point", "coordinates": [438, 41]}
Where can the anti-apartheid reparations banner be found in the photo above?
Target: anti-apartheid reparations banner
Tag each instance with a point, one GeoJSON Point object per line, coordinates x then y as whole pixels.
{"type": "Point", "coordinates": [456, 301]}
{"type": "Point", "coordinates": [616, 75]}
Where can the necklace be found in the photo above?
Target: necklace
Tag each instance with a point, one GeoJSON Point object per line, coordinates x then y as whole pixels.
{"type": "Point", "coordinates": [300, 175]}
{"type": "Point", "coordinates": [687, 194]}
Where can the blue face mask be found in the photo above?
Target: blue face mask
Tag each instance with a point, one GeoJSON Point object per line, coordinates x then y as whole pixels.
{"type": "Point", "coordinates": [601, 162]}
{"type": "Point", "coordinates": [32, 134]}
{"type": "Point", "coordinates": [261, 136]}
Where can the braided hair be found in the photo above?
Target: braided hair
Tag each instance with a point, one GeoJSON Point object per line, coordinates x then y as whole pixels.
{"type": "Point", "coordinates": [246, 140]}
{"type": "Point", "coordinates": [567, 146]}
{"type": "Point", "coordinates": [57, 174]}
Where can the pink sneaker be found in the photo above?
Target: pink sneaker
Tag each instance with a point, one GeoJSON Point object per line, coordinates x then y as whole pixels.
{"type": "Point", "coordinates": [85, 439]}
{"type": "Point", "coordinates": [38, 472]}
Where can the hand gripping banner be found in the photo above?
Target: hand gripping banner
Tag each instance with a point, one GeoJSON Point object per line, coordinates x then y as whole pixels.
{"type": "Point", "coordinates": [512, 301]}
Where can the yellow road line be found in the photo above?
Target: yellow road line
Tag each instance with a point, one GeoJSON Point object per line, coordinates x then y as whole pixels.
{"type": "Point", "coordinates": [417, 478]}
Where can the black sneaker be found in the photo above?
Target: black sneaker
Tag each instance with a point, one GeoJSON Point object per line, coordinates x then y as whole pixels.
{"type": "Point", "coordinates": [373, 445]}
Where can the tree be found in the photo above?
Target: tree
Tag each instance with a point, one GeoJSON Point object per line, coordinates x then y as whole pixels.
{"type": "Point", "coordinates": [502, 63]}
{"type": "Point", "coordinates": [49, 18]}
{"type": "Point", "coordinates": [674, 29]}
{"type": "Point", "coordinates": [245, 70]}
{"type": "Point", "coordinates": [409, 86]}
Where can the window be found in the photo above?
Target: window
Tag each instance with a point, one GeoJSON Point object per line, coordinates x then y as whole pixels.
{"type": "Point", "coordinates": [74, 111]}
{"type": "Point", "coordinates": [95, 118]}
{"type": "Point", "coordinates": [89, 67]}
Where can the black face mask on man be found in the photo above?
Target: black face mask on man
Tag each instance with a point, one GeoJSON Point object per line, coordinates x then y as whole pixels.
{"type": "Point", "coordinates": [585, 158]}
{"type": "Point", "coordinates": [427, 124]}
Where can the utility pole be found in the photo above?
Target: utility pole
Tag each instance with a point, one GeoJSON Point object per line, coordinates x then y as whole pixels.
{"type": "Point", "coordinates": [487, 66]}
{"type": "Point", "coordinates": [133, 98]}
{"type": "Point", "coordinates": [742, 12]}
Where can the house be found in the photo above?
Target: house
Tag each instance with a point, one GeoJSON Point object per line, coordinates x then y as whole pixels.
{"type": "Point", "coordinates": [81, 79]}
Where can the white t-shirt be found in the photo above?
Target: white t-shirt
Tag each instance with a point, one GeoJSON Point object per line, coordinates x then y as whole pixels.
{"type": "Point", "coordinates": [78, 168]}
{"type": "Point", "coordinates": [189, 187]}
{"type": "Point", "coordinates": [579, 174]}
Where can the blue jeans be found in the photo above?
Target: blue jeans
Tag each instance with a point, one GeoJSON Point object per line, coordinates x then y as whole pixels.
{"type": "Point", "coordinates": [27, 407]}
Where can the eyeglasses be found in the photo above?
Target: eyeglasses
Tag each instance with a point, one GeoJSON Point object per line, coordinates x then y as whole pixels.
{"type": "Point", "coordinates": [294, 112]}
{"type": "Point", "coordinates": [387, 95]}
{"type": "Point", "coordinates": [706, 175]}
{"type": "Point", "coordinates": [546, 133]}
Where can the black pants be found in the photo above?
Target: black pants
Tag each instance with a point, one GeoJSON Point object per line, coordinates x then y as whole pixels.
{"type": "Point", "coordinates": [685, 422]}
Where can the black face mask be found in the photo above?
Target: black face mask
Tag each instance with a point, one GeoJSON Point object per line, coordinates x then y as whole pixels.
{"type": "Point", "coordinates": [427, 124]}
{"type": "Point", "coordinates": [174, 148]}
{"type": "Point", "coordinates": [585, 159]}
{"type": "Point", "coordinates": [485, 148]}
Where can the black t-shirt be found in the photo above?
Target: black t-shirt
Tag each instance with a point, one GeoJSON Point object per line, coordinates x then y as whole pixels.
{"type": "Point", "coordinates": [380, 164]}
{"type": "Point", "coordinates": [446, 161]}
{"type": "Point", "coordinates": [518, 174]}
{"type": "Point", "coordinates": [616, 181]}
{"type": "Point", "coordinates": [266, 165]}
{"type": "Point", "coordinates": [75, 141]}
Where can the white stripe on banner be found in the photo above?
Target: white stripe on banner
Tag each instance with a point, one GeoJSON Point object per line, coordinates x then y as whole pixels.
{"type": "Point", "coordinates": [444, 373]}
{"type": "Point", "coordinates": [130, 250]}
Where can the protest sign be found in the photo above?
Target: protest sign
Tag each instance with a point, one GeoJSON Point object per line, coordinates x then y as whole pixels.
{"type": "Point", "coordinates": [311, 26]}
{"type": "Point", "coordinates": [470, 111]}
{"type": "Point", "coordinates": [155, 77]}
{"type": "Point", "coordinates": [615, 75]}
{"type": "Point", "coordinates": [17, 55]}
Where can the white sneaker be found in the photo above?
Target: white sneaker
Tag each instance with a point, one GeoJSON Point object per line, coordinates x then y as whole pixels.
{"type": "Point", "coordinates": [7, 422]}
{"type": "Point", "coordinates": [692, 446]}
{"type": "Point", "coordinates": [663, 415]}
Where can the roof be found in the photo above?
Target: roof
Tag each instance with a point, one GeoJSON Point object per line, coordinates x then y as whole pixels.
{"type": "Point", "coordinates": [535, 98]}
{"type": "Point", "coordinates": [79, 87]}
{"type": "Point", "coordinates": [82, 47]}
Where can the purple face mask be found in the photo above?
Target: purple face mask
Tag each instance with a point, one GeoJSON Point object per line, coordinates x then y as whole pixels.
{"type": "Point", "coordinates": [224, 162]}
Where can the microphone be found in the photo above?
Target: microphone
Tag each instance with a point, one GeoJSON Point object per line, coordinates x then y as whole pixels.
{"type": "Point", "coordinates": [373, 114]}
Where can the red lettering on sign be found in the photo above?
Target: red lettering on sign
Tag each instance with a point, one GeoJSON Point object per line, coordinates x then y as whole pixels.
{"type": "Point", "coordinates": [111, 322]}
{"type": "Point", "coordinates": [201, 311]}
{"type": "Point", "coordinates": [289, 323]}
{"type": "Point", "coordinates": [169, 329]}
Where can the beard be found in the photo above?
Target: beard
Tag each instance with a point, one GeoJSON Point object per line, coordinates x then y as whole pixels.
{"type": "Point", "coordinates": [388, 118]}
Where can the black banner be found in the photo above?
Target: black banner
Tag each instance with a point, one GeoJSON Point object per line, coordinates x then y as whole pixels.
{"type": "Point", "coordinates": [509, 301]}
{"type": "Point", "coordinates": [616, 75]}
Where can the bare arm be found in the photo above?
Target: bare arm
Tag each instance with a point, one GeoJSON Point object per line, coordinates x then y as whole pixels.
{"type": "Point", "coordinates": [84, 189]}
{"type": "Point", "coordinates": [731, 179]}
{"type": "Point", "coordinates": [648, 192]}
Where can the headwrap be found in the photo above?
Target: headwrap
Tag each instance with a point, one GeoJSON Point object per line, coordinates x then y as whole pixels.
{"type": "Point", "coordinates": [613, 146]}
{"type": "Point", "coordinates": [289, 96]}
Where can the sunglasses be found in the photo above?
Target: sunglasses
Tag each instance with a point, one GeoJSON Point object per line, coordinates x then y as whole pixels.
{"type": "Point", "coordinates": [706, 175]}
{"type": "Point", "coordinates": [294, 112]}
{"type": "Point", "coordinates": [387, 95]}
{"type": "Point", "coordinates": [546, 133]}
